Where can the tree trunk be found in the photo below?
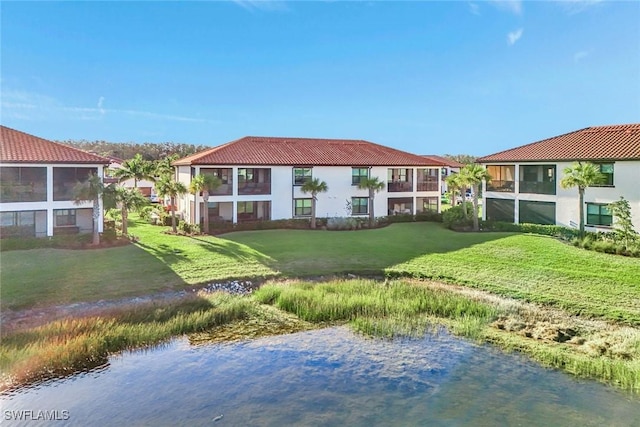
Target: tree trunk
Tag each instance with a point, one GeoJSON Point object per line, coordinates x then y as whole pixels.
{"type": "Point", "coordinates": [463, 194]}
{"type": "Point", "coordinates": [476, 226]}
{"type": "Point", "coordinates": [313, 210]}
{"type": "Point", "coordinates": [581, 210]}
{"type": "Point", "coordinates": [454, 202]}
{"type": "Point", "coordinates": [173, 215]}
{"type": "Point", "coordinates": [371, 214]}
{"type": "Point", "coordinates": [205, 197]}
{"type": "Point", "coordinates": [96, 218]}
{"type": "Point", "coordinates": [125, 216]}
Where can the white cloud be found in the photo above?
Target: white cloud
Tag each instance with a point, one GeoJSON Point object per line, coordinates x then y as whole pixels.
{"type": "Point", "coordinates": [514, 36]}
{"type": "Point", "coordinates": [580, 55]}
{"type": "Point", "coordinates": [576, 6]}
{"type": "Point", "coordinates": [513, 6]}
{"type": "Point", "coordinates": [19, 104]}
{"type": "Point", "coordinates": [474, 9]}
{"type": "Point", "coordinates": [100, 102]}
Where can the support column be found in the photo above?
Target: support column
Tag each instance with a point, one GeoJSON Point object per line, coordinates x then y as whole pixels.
{"type": "Point", "coordinates": [50, 218]}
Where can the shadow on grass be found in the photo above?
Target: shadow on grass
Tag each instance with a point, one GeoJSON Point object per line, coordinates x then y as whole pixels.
{"type": "Point", "coordinates": [165, 253]}
{"type": "Point", "coordinates": [45, 277]}
{"type": "Point", "coordinates": [233, 250]}
{"type": "Point", "coordinates": [317, 252]}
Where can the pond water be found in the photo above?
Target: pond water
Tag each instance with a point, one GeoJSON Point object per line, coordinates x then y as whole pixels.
{"type": "Point", "coordinates": [328, 377]}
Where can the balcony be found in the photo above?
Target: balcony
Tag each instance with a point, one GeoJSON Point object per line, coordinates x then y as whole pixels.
{"type": "Point", "coordinates": [538, 187]}
{"type": "Point", "coordinates": [428, 186]}
{"type": "Point", "coordinates": [254, 188]}
{"type": "Point", "coordinates": [538, 179]}
{"type": "Point", "coordinates": [501, 186]}
{"type": "Point", "coordinates": [399, 186]}
{"type": "Point", "coordinates": [10, 192]}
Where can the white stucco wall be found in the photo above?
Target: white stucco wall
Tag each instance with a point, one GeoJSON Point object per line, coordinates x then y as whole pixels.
{"type": "Point", "coordinates": [626, 183]}
{"type": "Point", "coordinates": [50, 205]}
{"type": "Point", "coordinates": [283, 192]}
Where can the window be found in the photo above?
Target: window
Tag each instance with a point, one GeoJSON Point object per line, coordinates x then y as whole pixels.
{"type": "Point", "coordinates": [598, 214]}
{"type": "Point", "coordinates": [26, 184]}
{"type": "Point", "coordinates": [302, 207]}
{"type": "Point", "coordinates": [358, 174]}
{"type": "Point", "coordinates": [425, 204]}
{"type": "Point", "coordinates": [65, 180]}
{"type": "Point", "coordinates": [606, 169]}
{"type": "Point", "coordinates": [502, 178]}
{"type": "Point", "coordinates": [359, 205]}
{"type": "Point", "coordinates": [534, 212]}
{"type": "Point", "coordinates": [245, 208]}
{"type": "Point", "coordinates": [301, 175]}
{"type": "Point", "coordinates": [245, 175]}
{"type": "Point", "coordinates": [65, 217]}
{"type": "Point", "coordinates": [500, 210]}
{"type": "Point", "coordinates": [16, 224]}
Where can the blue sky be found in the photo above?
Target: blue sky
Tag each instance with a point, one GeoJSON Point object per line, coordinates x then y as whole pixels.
{"type": "Point", "coordinates": [426, 77]}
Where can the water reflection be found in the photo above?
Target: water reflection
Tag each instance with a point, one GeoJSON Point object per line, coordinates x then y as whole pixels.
{"type": "Point", "coordinates": [326, 378]}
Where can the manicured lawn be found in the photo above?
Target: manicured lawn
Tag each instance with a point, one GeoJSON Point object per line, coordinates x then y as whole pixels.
{"type": "Point", "coordinates": [524, 266]}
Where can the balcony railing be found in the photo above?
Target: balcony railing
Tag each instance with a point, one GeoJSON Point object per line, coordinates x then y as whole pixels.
{"type": "Point", "coordinates": [538, 187]}
{"type": "Point", "coordinates": [254, 188]}
{"type": "Point", "coordinates": [501, 186]}
{"type": "Point", "coordinates": [428, 186]}
{"type": "Point", "coordinates": [223, 190]}
{"type": "Point", "coordinates": [22, 193]}
{"type": "Point", "coordinates": [398, 186]}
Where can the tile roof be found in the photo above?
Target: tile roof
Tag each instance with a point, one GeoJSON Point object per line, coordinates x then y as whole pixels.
{"type": "Point", "coordinates": [444, 160]}
{"type": "Point", "coordinates": [616, 142]}
{"type": "Point", "coordinates": [256, 150]}
{"type": "Point", "coordinates": [20, 147]}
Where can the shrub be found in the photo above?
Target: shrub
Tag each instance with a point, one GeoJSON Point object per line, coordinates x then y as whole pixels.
{"type": "Point", "coordinates": [342, 223]}
{"type": "Point", "coordinates": [454, 217]}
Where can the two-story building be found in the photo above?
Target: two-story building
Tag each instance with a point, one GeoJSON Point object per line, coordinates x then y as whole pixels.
{"type": "Point", "coordinates": [450, 167]}
{"type": "Point", "coordinates": [262, 179]}
{"type": "Point", "coordinates": [526, 180]}
{"type": "Point", "coordinates": [37, 180]}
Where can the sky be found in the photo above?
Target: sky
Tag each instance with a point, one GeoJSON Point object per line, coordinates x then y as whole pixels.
{"type": "Point", "coordinates": [454, 77]}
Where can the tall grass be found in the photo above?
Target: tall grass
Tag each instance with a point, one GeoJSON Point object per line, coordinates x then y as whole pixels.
{"type": "Point", "coordinates": [383, 309]}
{"type": "Point", "coordinates": [69, 345]}
{"type": "Point", "coordinates": [396, 309]}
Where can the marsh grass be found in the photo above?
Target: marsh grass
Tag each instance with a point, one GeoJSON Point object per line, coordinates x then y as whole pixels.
{"type": "Point", "coordinates": [385, 309]}
{"type": "Point", "coordinates": [70, 345]}
{"type": "Point", "coordinates": [597, 349]}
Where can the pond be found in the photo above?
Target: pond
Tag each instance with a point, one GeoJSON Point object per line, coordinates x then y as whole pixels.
{"type": "Point", "coordinates": [327, 377]}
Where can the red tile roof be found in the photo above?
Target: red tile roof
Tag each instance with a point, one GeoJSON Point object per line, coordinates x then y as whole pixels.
{"type": "Point", "coordinates": [617, 142]}
{"type": "Point", "coordinates": [257, 150]}
{"type": "Point", "coordinates": [20, 147]}
{"type": "Point", "coordinates": [444, 160]}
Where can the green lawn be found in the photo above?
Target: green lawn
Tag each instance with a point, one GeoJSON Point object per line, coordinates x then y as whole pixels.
{"type": "Point", "coordinates": [525, 266]}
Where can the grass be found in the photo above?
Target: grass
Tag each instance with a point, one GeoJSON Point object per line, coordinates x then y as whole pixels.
{"type": "Point", "coordinates": [66, 346]}
{"type": "Point", "coordinates": [383, 309]}
{"type": "Point", "coordinates": [396, 308]}
{"type": "Point", "coordinates": [528, 267]}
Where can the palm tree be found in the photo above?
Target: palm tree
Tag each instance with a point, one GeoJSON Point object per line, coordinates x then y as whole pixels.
{"type": "Point", "coordinates": [129, 199]}
{"type": "Point", "coordinates": [473, 175]}
{"type": "Point", "coordinates": [136, 169]}
{"type": "Point", "coordinates": [205, 183]}
{"type": "Point", "coordinates": [166, 186]}
{"type": "Point", "coordinates": [314, 187]}
{"type": "Point", "coordinates": [91, 190]}
{"type": "Point", "coordinates": [581, 175]}
{"type": "Point", "coordinates": [163, 167]}
{"type": "Point", "coordinates": [454, 185]}
{"type": "Point", "coordinates": [373, 185]}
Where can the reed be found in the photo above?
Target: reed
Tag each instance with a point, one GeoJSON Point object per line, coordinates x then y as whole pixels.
{"type": "Point", "coordinates": [385, 309]}
{"type": "Point", "coordinates": [69, 345]}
